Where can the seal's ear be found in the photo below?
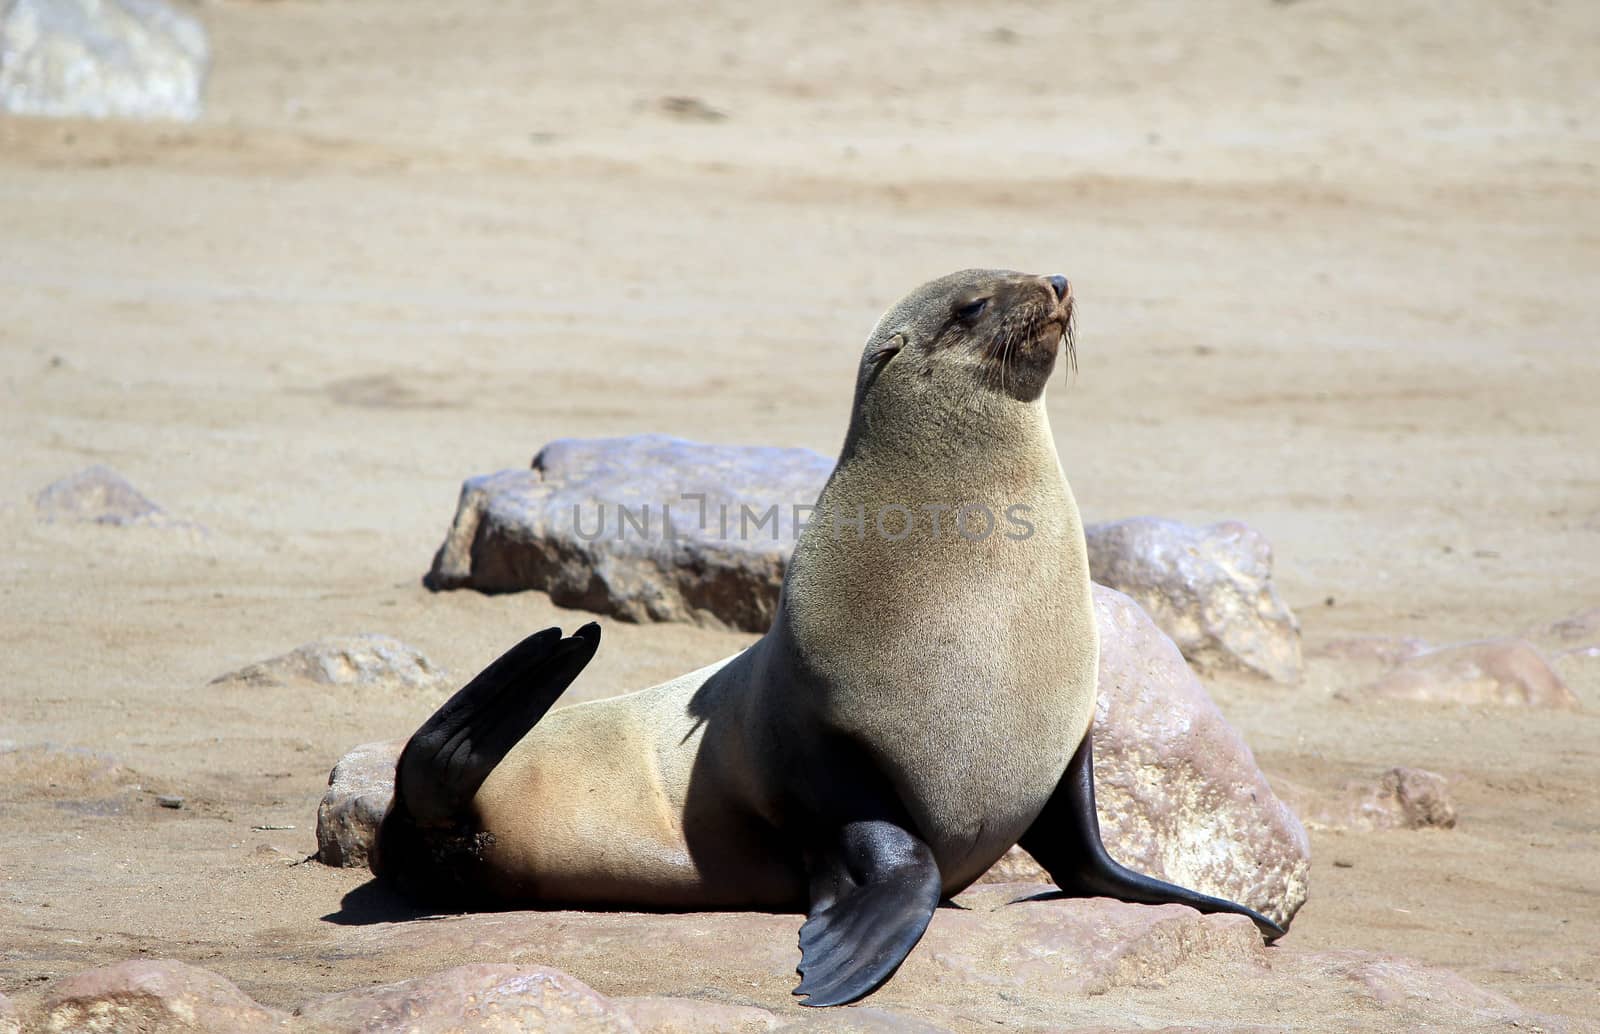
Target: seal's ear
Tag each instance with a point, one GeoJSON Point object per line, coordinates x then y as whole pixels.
{"type": "Point", "coordinates": [888, 350]}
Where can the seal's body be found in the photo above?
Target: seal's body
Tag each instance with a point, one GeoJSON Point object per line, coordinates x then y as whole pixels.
{"type": "Point", "coordinates": [921, 703]}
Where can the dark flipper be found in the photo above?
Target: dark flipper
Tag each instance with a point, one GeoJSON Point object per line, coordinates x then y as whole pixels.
{"type": "Point", "coordinates": [1065, 839]}
{"type": "Point", "coordinates": [873, 891]}
{"type": "Point", "coordinates": [447, 759]}
{"type": "Point", "coordinates": [428, 846]}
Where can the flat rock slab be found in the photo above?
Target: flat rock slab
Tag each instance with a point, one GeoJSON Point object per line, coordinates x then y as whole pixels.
{"type": "Point", "coordinates": [137, 59]}
{"type": "Point", "coordinates": [1493, 673]}
{"type": "Point", "coordinates": [1208, 588]}
{"type": "Point", "coordinates": [1179, 793]}
{"type": "Point", "coordinates": [645, 528]}
{"type": "Point", "coordinates": [1056, 965]}
{"type": "Point", "coordinates": [1035, 966]}
{"type": "Point", "coordinates": [473, 998]}
{"type": "Point", "coordinates": [369, 659]}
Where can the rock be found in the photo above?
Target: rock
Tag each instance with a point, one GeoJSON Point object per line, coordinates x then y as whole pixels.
{"type": "Point", "coordinates": [1384, 651]}
{"type": "Point", "coordinates": [1209, 588]}
{"type": "Point", "coordinates": [484, 998]}
{"type": "Point", "coordinates": [98, 495]}
{"type": "Point", "coordinates": [359, 789]}
{"type": "Point", "coordinates": [589, 524]}
{"type": "Point", "coordinates": [1401, 798]}
{"type": "Point", "coordinates": [101, 59]}
{"type": "Point", "coordinates": [1043, 965]}
{"type": "Point", "coordinates": [369, 659]}
{"type": "Point", "coordinates": [1080, 946]}
{"type": "Point", "coordinates": [1577, 630]}
{"type": "Point", "coordinates": [1580, 670]}
{"type": "Point", "coordinates": [153, 997]}
{"type": "Point", "coordinates": [1179, 793]}
{"type": "Point", "coordinates": [692, 1016]}
{"type": "Point", "coordinates": [10, 1022]}
{"type": "Point", "coordinates": [1495, 672]}
{"type": "Point", "coordinates": [1016, 866]}
{"type": "Point", "coordinates": [1047, 948]}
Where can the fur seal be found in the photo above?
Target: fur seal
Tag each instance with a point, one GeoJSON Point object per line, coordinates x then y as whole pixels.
{"type": "Point", "coordinates": [921, 703]}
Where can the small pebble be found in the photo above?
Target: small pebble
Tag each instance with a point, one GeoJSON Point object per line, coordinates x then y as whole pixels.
{"type": "Point", "coordinates": [169, 800]}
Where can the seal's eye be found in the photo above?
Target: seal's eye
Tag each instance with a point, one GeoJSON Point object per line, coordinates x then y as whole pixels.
{"type": "Point", "coordinates": [972, 310]}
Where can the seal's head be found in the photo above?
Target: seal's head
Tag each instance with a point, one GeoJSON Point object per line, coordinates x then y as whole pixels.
{"type": "Point", "coordinates": [994, 332]}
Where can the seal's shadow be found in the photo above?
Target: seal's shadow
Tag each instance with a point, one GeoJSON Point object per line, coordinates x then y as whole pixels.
{"type": "Point", "coordinates": [372, 902]}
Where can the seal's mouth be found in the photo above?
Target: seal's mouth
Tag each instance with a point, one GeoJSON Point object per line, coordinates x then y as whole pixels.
{"type": "Point", "coordinates": [1021, 354]}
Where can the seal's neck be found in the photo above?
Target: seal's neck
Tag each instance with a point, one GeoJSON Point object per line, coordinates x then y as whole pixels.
{"type": "Point", "coordinates": [990, 444]}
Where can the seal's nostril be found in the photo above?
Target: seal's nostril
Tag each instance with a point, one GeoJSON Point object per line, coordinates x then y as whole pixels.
{"type": "Point", "coordinates": [1059, 283]}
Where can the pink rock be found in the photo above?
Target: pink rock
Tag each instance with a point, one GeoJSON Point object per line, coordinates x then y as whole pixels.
{"type": "Point", "coordinates": [1180, 795]}
{"type": "Point", "coordinates": [359, 789]}
{"type": "Point", "coordinates": [1209, 588]}
{"type": "Point", "coordinates": [658, 1015]}
{"type": "Point", "coordinates": [1386, 651]}
{"type": "Point", "coordinates": [1495, 672]}
{"type": "Point", "coordinates": [1580, 629]}
{"type": "Point", "coordinates": [484, 998]}
{"type": "Point", "coordinates": [366, 659]}
{"type": "Point", "coordinates": [153, 996]}
{"type": "Point", "coordinates": [1077, 946]}
{"type": "Point", "coordinates": [1401, 798]}
{"type": "Point", "coordinates": [1042, 965]}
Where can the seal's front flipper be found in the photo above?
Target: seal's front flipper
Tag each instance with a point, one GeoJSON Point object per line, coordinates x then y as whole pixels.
{"type": "Point", "coordinates": [447, 759]}
{"type": "Point", "coordinates": [873, 892]}
{"type": "Point", "coordinates": [1065, 839]}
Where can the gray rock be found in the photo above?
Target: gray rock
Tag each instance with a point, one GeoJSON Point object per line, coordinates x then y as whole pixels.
{"type": "Point", "coordinates": [1401, 798]}
{"type": "Point", "coordinates": [369, 659]}
{"type": "Point", "coordinates": [359, 790]}
{"type": "Point", "coordinates": [484, 998]}
{"type": "Point", "coordinates": [1494, 672]}
{"type": "Point", "coordinates": [101, 59]}
{"type": "Point", "coordinates": [98, 495]}
{"type": "Point", "coordinates": [1209, 588]}
{"type": "Point", "coordinates": [646, 528]}
{"type": "Point", "coordinates": [153, 997]}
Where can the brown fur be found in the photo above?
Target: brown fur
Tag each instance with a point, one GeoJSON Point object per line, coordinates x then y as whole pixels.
{"type": "Point", "coordinates": [959, 674]}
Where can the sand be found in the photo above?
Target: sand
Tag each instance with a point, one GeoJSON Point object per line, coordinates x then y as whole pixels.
{"type": "Point", "coordinates": [1336, 269]}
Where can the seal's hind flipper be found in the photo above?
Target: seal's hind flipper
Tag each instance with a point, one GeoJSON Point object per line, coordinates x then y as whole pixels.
{"type": "Point", "coordinates": [447, 759]}
{"type": "Point", "coordinates": [1065, 839]}
{"type": "Point", "coordinates": [872, 894]}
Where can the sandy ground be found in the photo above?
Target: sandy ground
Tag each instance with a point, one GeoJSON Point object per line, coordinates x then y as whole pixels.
{"type": "Point", "coordinates": [1337, 269]}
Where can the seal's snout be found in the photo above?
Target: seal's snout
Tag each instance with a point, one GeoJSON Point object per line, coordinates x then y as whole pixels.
{"type": "Point", "coordinates": [1060, 285]}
